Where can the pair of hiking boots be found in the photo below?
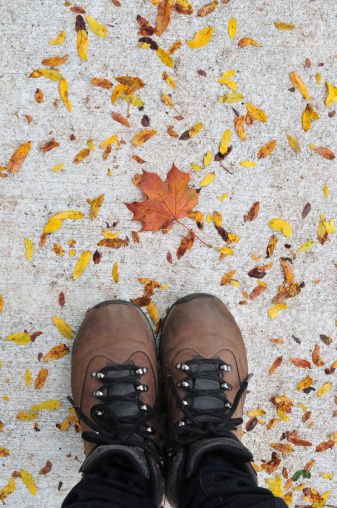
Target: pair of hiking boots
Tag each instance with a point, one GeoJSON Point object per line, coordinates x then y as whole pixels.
{"type": "Point", "coordinates": [115, 389]}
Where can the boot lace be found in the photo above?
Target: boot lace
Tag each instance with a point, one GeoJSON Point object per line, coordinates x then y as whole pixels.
{"type": "Point", "coordinates": [203, 423]}
{"type": "Point", "coordinates": [109, 427]}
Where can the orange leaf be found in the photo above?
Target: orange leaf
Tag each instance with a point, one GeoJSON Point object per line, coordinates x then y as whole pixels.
{"type": "Point", "coordinates": [266, 150]}
{"type": "Point", "coordinates": [103, 83]}
{"type": "Point", "coordinates": [41, 378]}
{"type": "Point", "coordinates": [56, 352]}
{"type": "Point", "coordinates": [325, 152]}
{"type": "Point", "coordinates": [163, 19]}
{"type": "Point", "coordinates": [55, 61]}
{"type": "Point", "coordinates": [316, 358]}
{"type": "Point", "coordinates": [246, 41]}
{"type": "Point", "coordinates": [143, 136]}
{"type": "Point", "coordinates": [46, 147]}
{"type": "Point", "coordinates": [275, 365]}
{"type": "Point", "coordinates": [19, 157]}
{"type": "Point", "coordinates": [288, 271]}
{"type": "Point", "coordinates": [325, 446]}
{"type": "Point", "coordinates": [167, 201]}
{"type": "Point", "coordinates": [283, 448]}
{"type": "Point", "coordinates": [304, 364]}
{"type": "Point", "coordinates": [119, 118]}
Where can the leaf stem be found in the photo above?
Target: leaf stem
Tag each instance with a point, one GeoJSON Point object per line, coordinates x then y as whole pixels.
{"type": "Point", "coordinates": [225, 168]}
{"type": "Point", "coordinates": [191, 230]}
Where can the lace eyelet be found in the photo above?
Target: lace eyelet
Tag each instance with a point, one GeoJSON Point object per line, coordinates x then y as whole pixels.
{"type": "Point", "coordinates": [226, 386]}
{"type": "Point", "coordinates": [226, 367]}
{"type": "Point", "coordinates": [98, 412]}
{"type": "Point", "coordinates": [142, 370]}
{"type": "Point", "coordinates": [179, 424]}
{"type": "Point", "coordinates": [97, 375]}
{"type": "Point", "coordinates": [97, 393]}
{"type": "Point", "coordinates": [142, 388]}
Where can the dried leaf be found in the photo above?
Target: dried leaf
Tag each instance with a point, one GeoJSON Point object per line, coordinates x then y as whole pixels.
{"type": "Point", "coordinates": [304, 364]}
{"type": "Point", "coordinates": [83, 154]}
{"type": "Point", "coordinates": [41, 378]}
{"type": "Point", "coordinates": [325, 152]}
{"type": "Point", "coordinates": [113, 243]}
{"type": "Point", "coordinates": [60, 38]}
{"type": "Point", "coordinates": [142, 137]}
{"type": "Point", "coordinates": [316, 356]}
{"type": "Point", "coordinates": [153, 312]}
{"type": "Point", "coordinates": [257, 113]}
{"type": "Point", "coordinates": [119, 118]}
{"type": "Point", "coordinates": [230, 98]}
{"type": "Point", "coordinates": [24, 417]}
{"type": "Point", "coordinates": [284, 26]}
{"type": "Point", "coordinates": [303, 385]}
{"type": "Point", "coordinates": [273, 311]}
{"type": "Point", "coordinates": [64, 94]}
{"type": "Point", "coordinates": [324, 389]}
{"type": "Point", "coordinates": [208, 8]}
{"type": "Point", "coordinates": [207, 180]}
{"type": "Point", "coordinates": [115, 275]}
{"type": "Point", "coordinates": [225, 279]}
{"type": "Point", "coordinates": [325, 445]}
{"type": "Point", "coordinates": [294, 144]}
{"type": "Point", "coordinates": [39, 95]}
{"type": "Point", "coordinates": [19, 157]}
{"type": "Point", "coordinates": [63, 328]}
{"type": "Point", "coordinates": [46, 469]}
{"type": "Point", "coordinates": [163, 18]}
{"type": "Point", "coordinates": [246, 41]}
{"type": "Point", "coordinates": [95, 206]}
{"type": "Point", "coordinates": [275, 486]}
{"type": "Point", "coordinates": [82, 263]}
{"type": "Point", "coordinates": [98, 29]}
{"type": "Point", "coordinates": [282, 225]}
{"type": "Point", "coordinates": [275, 365]}
{"type": "Point", "coordinates": [19, 338]}
{"type": "Point", "coordinates": [201, 38]}
{"type": "Point", "coordinates": [103, 83]}
{"type": "Point", "coordinates": [56, 352]}
{"type": "Point", "coordinates": [46, 147]}
{"type": "Point", "coordinates": [266, 150]}
{"type": "Point", "coordinates": [282, 448]}
{"type": "Point", "coordinates": [55, 61]}
{"type": "Point", "coordinates": [50, 405]}
{"type": "Point", "coordinates": [298, 82]}
{"type": "Point", "coordinates": [165, 57]}
{"type": "Point", "coordinates": [27, 479]}
{"type": "Point", "coordinates": [82, 44]}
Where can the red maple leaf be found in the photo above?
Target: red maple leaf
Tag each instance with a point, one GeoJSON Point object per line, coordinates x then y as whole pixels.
{"type": "Point", "coordinates": [167, 201]}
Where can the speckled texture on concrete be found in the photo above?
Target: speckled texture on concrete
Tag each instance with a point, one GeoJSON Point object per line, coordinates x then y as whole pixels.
{"type": "Point", "coordinates": [283, 183]}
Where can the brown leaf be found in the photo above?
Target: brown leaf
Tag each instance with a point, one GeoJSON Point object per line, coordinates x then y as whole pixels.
{"type": "Point", "coordinates": [169, 257]}
{"type": "Point", "coordinates": [163, 19]}
{"type": "Point", "coordinates": [145, 27]}
{"type": "Point", "coordinates": [283, 403]}
{"type": "Point", "coordinates": [114, 243]}
{"type": "Point", "coordinates": [77, 10]}
{"type": "Point", "coordinates": [186, 244]}
{"type": "Point", "coordinates": [251, 424]}
{"type": "Point", "coordinates": [325, 446]}
{"type": "Point", "coordinates": [55, 61]}
{"type": "Point", "coordinates": [80, 23]}
{"type": "Point", "coordinates": [29, 118]}
{"type": "Point", "coordinates": [254, 211]}
{"type": "Point", "coordinates": [96, 257]}
{"type": "Point", "coordinates": [138, 159]}
{"type": "Point", "coordinates": [208, 8]}
{"type": "Point", "coordinates": [119, 118]}
{"type": "Point", "coordinates": [304, 364]}
{"type": "Point", "coordinates": [309, 465]}
{"type": "Point", "coordinates": [283, 448]}
{"type": "Point", "coordinates": [142, 301]}
{"type": "Point", "coordinates": [306, 416]}
{"type": "Point", "coordinates": [325, 152]}
{"type": "Point", "coordinates": [39, 95]}
{"type": "Point", "coordinates": [288, 270]}
{"type": "Point", "coordinates": [46, 468]}
{"type": "Point", "coordinates": [257, 274]}
{"type": "Point", "coordinates": [103, 83]}
{"type": "Point", "coordinates": [306, 210]}
{"type": "Point", "coordinates": [293, 438]}
{"type": "Point", "coordinates": [172, 132]}
{"type": "Point", "coordinates": [61, 299]}
{"type": "Point", "coordinates": [239, 122]}
{"type": "Point", "coordinates": [257, 292]}
{"type": "Point", "coordinates": [275, 365]}
{"type": "Point", "coordinates": [49, 145]}
{"type": "Point", "coordinates": [272, 464]}
{"type": "Point", "coordinates": [135, 237]}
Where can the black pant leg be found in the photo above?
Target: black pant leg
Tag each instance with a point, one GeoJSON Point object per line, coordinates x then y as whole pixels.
{"type": "Point", "coordinates": [113, 485]}
{"type": "Point", "coordinates": [221, 484]}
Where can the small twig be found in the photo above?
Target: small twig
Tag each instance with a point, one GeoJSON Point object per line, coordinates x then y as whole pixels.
{"type": "Point", "coordinates": [225, 168]}
{"type": "Point", "coordinates": [191, 230]}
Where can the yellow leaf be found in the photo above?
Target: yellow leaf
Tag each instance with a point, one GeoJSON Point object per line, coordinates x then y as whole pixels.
{"type": "Point", "coordinates": [28, 377]}
{"type": "Point", "coordinates": [49, 404]}
{"type": "Point", "coordinates": [108, 141]}
{"type": "Point", "coordinates": [209, 218]}
{"type": "Point", "coordinates": [306, 246]}
{"type": "Point", "coordinates": [63, 327]}
{"type": "Point", "coordinates": [167, 100]}
{"type": "Point", "coordinates": [201, 38]}
{"type": "Point", "coordinates": [91, 145]}
{"type": "Point", "coordinates": [230, 98]}
{"type": "Point", "coordinates": [319, 504]}
{"type": "Point", "coordinates": [298, 82]}
{"type": "Point", "coordinates": [153, 312]}
{"type": "Point", "coordinates": [232, 28]}
{"type": "Point", "coordinates": [82, 263]}
{"type": "Point", "coordinates": [95, 206]}
{"type": "Point", "coordinates": [82, 44]}
{"type": "Point", "coordinates": [26, 416]}
{"type": "Point", "coordinates": [333, 438]}
{"type": "Point", "coordinates": [226, 278]}
{"type": "Point", "coordinates": [228, 74]}
{"type": "Point", "coordinates": [69, 214]}
{"type": "Point", "coordinates": [19, 338]}
{"type": "Point", "coordinates": [60, 38]}
{"type": "Point", "coordinates": [324, 389]}
{"type": "Point", "coordinates": [52, 74]}
{"type": "Point", "coordinates": [331, 98]}
{"type": "Point", "coordinates": [1, 307]}
{"type": "Point", "coordinates": [56, 352]}
{"type": "Point", "coordinates": [29, 248]}
{"type": "Point", "coordinates": [64, 94]}
{"type": "Point", "coordinates": [288, 498]}
{"type": "Point", "coordinates": [165, 57]}
{"type": "Point", "coordinates": [230, 83]}
{"type": "Point", "coordinates": [330, 228]}
{"type": "Point", "coordinates": [28, 481]}
{"type": "Point", "coordinates": [117, 92]}
{"type": "Point", "coordinates": [195, 129]}
{"type": "Point", "coordinates": [164, 286]}
{"type": "Point", "coordinates": [266, 150]}
{"type": "Point", "coordinates": [318, 78]}
{"type": "Point", "coordinates": [143, 136]}
{"type": "Point", "coordinates": [281, 414]}
{"type": "Point", "coordinates": [58, 167]}
{"type": "Point", "coordinates": [225, 140]}
{"type": "Point", "coordinates": [294, 144]}
{"type": "Point", "coordinates": [256, 412]}
{"type": "Point", "coordinates": [7, 490]}
{"type": "Point", "coordinates": [257, 113]}
{"type": "Point", "coordinates": [135, 101]}
{"type": "Point", "coordinates": [53, 225]}
{"type": "Point", "coordinates": [170, 81]}
{"type": "Point", "coordinates": [207, 159]}
{"type": "Point", "coordinates": [195, 167]}
{"type": "Point", "coordinates": [226, 251]}
{"type": "Point", "coordinates": [325, 190]}
{"type": "Point", "coordinates": [248, 164]}
{"type": "Point", "coordinates": [246, 41]}
{"type": "Point", "coordinates": [224, 196]}
{"type": "Point", "coordinates": [98, 29]}
{"type": "Point", "coordinates": [328, 476]}
{"type": "Point", "coordinates": [234, 282]}
{"type": "Point", "coordinates": [83, 154]}
{"type": "Point", "coordinates": [109, 234]}
{"type": "Point", "coordinates": [273, 311]}
{"type": "Point", "coordinates": [284, 26]}
{"type": "Point", "coordinates": [282, 225]}
{"type": "Point", "coordinates": [275, 486]}
{"type": "Point", "coordinates": [207, 180]}
{"type": "Point", "coordinates": [115, 275]}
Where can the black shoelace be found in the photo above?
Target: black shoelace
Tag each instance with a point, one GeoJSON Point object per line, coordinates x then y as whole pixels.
{"type": "Point", "coordinates": [110, 428]}
{"type": "Point", "coordinates": [219, 421]}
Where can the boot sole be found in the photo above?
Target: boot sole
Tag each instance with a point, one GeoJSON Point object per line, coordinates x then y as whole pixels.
{"type": "Point", "coordinates": [178, 302]}
{"type": "Point", "coordinates": [121, 302]}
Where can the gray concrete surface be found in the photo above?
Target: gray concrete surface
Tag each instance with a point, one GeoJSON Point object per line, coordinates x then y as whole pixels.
{"type": "Point", "coordinates": [283, 183]}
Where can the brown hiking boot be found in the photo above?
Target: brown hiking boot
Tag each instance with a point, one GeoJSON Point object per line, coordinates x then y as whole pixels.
{"type": "Point", "coordinates": [205, 374]}
{"type": "Point", "coordinates": [114, 381]}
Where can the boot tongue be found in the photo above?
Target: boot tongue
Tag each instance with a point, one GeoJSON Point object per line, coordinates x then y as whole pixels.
{"type": "Point", "coordinates": [123, 408]}
{"type": "Point", "coordinates": [207, 402]}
